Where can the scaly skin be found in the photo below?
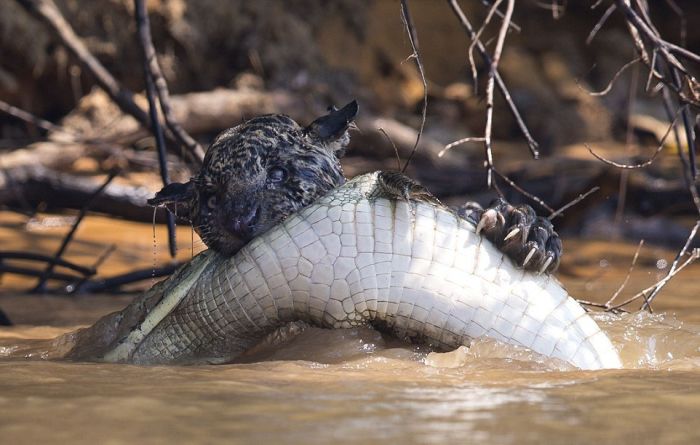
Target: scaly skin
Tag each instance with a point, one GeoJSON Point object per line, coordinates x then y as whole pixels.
{"type": "Point", "coordinates": [360, 255]}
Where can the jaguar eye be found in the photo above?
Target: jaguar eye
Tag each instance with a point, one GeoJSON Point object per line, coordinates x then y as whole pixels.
{"type": "Point", "coordinates": [277, 175]}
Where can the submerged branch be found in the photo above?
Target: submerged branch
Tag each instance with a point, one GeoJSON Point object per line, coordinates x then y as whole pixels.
{"type": "Point", "coordinates": [41, 285]}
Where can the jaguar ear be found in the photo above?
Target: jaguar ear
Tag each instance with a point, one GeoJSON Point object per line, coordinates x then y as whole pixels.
{"type": "Point", "coordinates": [332, 128]}
{"type": "Point", "coordinates": [174, 193]}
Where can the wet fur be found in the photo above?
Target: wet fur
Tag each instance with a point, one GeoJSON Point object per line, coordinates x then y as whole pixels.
{"type": "Point", "coordinates": [235, 180]}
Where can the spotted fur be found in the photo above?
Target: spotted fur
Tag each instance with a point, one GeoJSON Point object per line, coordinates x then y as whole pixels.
{"type": "Point", "coordinates": [258, 173]}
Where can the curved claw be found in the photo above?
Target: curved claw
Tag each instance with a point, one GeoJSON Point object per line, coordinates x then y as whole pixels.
{"type": "Point", "coordinates": [518, 232]}
{"type": "Point", "coordinates": [529, 256]}
{"type": "Point", "coordinates": [488, 219]}
{"type": "Point", "coordinates": [512, 234]}
{"type": "Point", "coordinates": [546, 264]}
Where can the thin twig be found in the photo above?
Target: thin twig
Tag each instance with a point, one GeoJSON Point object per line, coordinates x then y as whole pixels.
{"type": "Point", "coordinates": [514, 26]}
{"type": "Point", "coordinates": [652, 72]}
{"type": "Point", "coordinates": [488, 151]}
{"type": "Point", "coordinates": [396, 150]}
{"type": "Point", "coordinates": [477, 37]}
{"type": "Point", "coordinates": [522, 191]}
{"type": "Point", "coordinates": [610, 85]}
{"type": "Point", "coordinates": [641, 26]}
{"type": "Point", "coordinates": [459, 142]}
{"type": "Point", "coordinates": [688, 125]}
{"type": "Point", "coordinates": [70, 288]}
{"type": "Point", "coordinates": [643, 164]}
{"type": "Point", "coordinates": [572, 203]}
{"type": "Point", "coordinates": [685, 168]}
{"type": "Point", "coordinates": [30, 118]}
{"type": "Point", "coordinates": [103, 257]}
{"type": "Point", "coordinates": [600, 24]}
{"type": "Point", "coordinates": [674, 265]}
{"type": "Point", "coordinates": [627, 277]}
{"type": "Point", "coordinates": [413, 38]}
{"type": "Point", "coordinates": [599, 305]}
{"type": "Point", "coordinates": [658, 285]}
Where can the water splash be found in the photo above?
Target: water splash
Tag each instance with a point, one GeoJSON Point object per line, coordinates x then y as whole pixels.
{"type": "Point", "coordinates": [645, 341]}
{"type": "Point", "coordinates": [653, 341]}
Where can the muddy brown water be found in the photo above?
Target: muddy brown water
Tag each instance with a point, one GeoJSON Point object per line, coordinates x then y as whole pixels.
{"type": "Point", "coordinates": [349, 386]}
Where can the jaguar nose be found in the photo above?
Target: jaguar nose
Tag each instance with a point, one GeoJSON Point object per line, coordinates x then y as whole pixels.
{"type": "Point", "coordinates": [243, 225]}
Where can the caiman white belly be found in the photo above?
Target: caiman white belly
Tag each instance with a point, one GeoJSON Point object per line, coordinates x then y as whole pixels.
{"type": "Point", "coordinates": [359, 256]}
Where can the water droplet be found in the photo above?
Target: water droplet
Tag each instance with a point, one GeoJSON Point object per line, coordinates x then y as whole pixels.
{"type": "Point", "coordinates": [155, 248]}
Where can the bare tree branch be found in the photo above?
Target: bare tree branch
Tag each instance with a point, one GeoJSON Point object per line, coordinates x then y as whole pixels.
{"type": "Point", "coordinates": [413, 38]}
{"type": "Point", "coordinates": [41, 285]}
{"type": "Point", "coordinates": [600, 23]}
{"type": "Point", "coordinates": [609, 87]}
{"type": "Point", "coordinates": [396, 150]}
{"type": "Point", "coordinates": [151, 71]}
{"type": "Point", "coordinates": [627, 277]}
{"type": "Point", "coordinates": [153, 68]}
{"type": "Point", "coordinates": [640, 164]}
{"type": "Point", "coordinates": [674, 267]}
{"type": "Point", "coordinates": [512, 183]}
{"type": "Point", "coordinates": [459, 142]}
{"type": "Point", "coordinates": [658, 285]}
{"type": "Point", "coordinates": [575, 201]}
{"type": "Point", "coordinates": [477, 37]}
{"type": "Point", "coordinates": [31, 119]}
{"type": "Point", "coordinates": [490, 87]}
{"type": "Point", "coordinates": [467, 26]}
{"type": "Point", "coordinates": [48, 12]}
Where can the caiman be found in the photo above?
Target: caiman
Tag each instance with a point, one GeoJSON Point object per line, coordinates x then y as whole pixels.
{"type": "Point", "coordinates": [378, 251]}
